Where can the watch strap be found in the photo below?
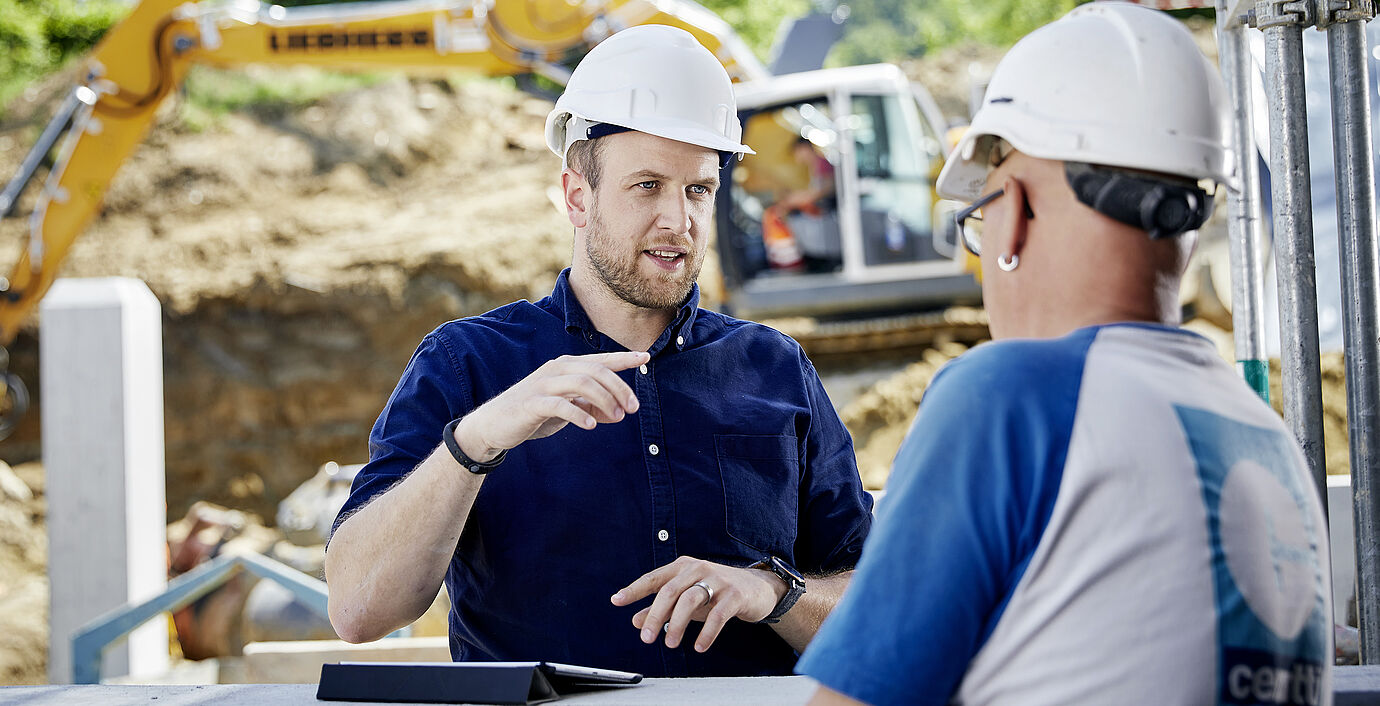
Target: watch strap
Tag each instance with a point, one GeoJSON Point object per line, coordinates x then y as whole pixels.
{"type": "Point", "coordinates": [795, 587]}
{"type": "Point", "coordinates": [468, 463]}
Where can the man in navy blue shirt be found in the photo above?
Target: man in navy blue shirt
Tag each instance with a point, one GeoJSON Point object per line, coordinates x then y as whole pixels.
{"type": "Point", "coordinates": [558, 463]}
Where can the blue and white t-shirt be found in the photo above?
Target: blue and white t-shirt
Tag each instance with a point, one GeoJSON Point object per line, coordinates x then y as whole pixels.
{"type": "Point", "coordinates": [1108, 517]}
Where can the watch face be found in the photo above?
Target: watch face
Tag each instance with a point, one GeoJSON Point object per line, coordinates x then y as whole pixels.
{"type": "Point", "coordinates": [787, 573]}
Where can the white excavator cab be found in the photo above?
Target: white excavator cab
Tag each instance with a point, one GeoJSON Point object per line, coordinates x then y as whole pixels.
{"type": "Point", "coordinates": [836, 213]}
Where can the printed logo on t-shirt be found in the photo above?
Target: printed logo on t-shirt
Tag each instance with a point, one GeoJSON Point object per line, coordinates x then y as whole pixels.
{"type": "Point", "coordinates": [1272, 620]}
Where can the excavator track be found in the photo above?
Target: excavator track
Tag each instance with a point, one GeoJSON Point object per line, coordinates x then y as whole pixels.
{"type": "Point", "coordinates": [837, 341]}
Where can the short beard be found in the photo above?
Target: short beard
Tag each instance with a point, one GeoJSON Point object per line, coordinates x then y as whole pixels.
{"type": "Point", "coordinates": [662, 291]}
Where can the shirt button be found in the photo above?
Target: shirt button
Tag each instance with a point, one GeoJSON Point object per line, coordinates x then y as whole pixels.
{"type": "Point", "coordinates": [642, 368]}
{"type": "Point", "coordinates": [663, 535]}
{"type": "Point", "coordinates": [680, 340]}
{"type": "Point", "coordinates": [654, 449]}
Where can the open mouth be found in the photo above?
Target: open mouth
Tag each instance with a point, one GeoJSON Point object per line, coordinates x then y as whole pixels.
{"type": "Point", "coordinates": [668, 259]}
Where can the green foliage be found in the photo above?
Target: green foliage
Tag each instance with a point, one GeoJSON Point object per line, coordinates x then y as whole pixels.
{"type": "Point", "coordinates": [218, 91]}
{"type": "Point", "coordinates": [757, 21]}
{"type": "Point", "coordinates": [72, 27]}
{"type": "Point", "coordinates": [38, 36]}
{"type": "Point", "coordinates": [21, 43]}
{"type": "Point", "coordinates": [890, 30]}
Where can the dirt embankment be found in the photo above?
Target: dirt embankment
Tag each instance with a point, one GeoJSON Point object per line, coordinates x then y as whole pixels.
{"type": "Point", "coordinates": [301, 256]}
{"type": "Point", "coordinates": [23, 576]}
{"type": "Point", "coordinates": [880, 418]}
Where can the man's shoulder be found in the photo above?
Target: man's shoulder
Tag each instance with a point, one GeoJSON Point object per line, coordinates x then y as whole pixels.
{"type": "Point", "coordinates": [507, 320]}
{"type": "Point", "coordinates": [1016, 368]}
{"type": "Point", "coordinates": [746, 332]}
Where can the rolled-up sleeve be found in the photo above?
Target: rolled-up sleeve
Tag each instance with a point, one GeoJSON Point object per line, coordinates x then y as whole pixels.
{"type": "Point", "coordinates": [429, 395]}
{"type": "Point", "coordinates": [835, 511]}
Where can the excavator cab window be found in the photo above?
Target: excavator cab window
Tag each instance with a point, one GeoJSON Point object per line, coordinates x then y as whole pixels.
{"type": "Point", "coordinates": [783, 208]}
{"type": "Point", "coordinates": [895, 182]}
{"type": "Point", "coordinates": [831, 187]}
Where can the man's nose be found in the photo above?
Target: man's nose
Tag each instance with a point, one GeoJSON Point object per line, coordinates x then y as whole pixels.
{"type": "Point", "coordinates": [674, 213]}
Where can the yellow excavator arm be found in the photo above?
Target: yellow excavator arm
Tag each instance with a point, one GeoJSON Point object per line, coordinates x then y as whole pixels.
{"type": "Point", "coordinates": [142, 59]}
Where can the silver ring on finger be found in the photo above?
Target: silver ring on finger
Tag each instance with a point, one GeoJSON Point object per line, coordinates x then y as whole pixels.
{"type": "Point", "coordinates": [708, 591]}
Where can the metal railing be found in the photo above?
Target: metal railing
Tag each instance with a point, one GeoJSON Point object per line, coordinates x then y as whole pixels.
{"type": "Point", "coordinates": [1283, 22]}
{"type": "Point", "coordinates": [89, 643]}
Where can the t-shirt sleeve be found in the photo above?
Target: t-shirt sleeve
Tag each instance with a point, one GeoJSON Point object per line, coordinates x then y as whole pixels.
{"type": "Point", "coordinates": [428, 396]}
{"type": "Point", "coordinates": [971, 491]}
{"type": "Point", "coordinates": [835, 511]}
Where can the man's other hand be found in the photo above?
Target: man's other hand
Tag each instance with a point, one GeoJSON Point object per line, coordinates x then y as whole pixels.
{"type": "Point", "coordinates": [581, 390]}
{"type": "Point", "coordinates": [726, 592]}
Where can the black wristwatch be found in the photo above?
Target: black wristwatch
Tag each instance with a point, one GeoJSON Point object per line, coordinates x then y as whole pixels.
{"type": "Point", "coordinates": [470, 464]}
{"type": "Point", "coordinates": [795, 586]}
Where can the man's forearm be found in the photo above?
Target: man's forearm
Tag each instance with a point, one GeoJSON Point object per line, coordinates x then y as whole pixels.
{"type": "Point", "coordinates": [799, 625]}
{"type": "Point", "coordinates": [386, 561]}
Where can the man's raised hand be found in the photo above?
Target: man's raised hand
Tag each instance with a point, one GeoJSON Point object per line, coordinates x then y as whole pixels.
{"type": "Point", "coordinates": [582, 390]}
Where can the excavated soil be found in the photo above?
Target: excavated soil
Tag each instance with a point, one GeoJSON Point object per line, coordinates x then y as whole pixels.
{"type": "Point", "coordinates": [880, 418]}
{"type": "Point", "coordinates": [299, 258]}
{"type": "Point", "coordinates": [23, 576]}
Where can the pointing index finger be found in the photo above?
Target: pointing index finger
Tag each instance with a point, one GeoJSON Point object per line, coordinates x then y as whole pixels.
{"type": "Point", "coordinates": [644, 586]}
{"type": "Point", "coordinates": [621, 360]}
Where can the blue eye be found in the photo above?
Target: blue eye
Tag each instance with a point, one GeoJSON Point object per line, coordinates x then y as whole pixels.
{"type": "Point", "coordinates": [647, 185]}
{"type": "Point", "coordinates": [699, 189]}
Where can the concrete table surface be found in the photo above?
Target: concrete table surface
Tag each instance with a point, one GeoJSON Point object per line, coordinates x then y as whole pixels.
{"type": "Point", "coordinates": [1356, 686]}
{"type": "Point", "coordinates": [1352, 686]}
{"type": "Point", "coordinates": [668, 692]}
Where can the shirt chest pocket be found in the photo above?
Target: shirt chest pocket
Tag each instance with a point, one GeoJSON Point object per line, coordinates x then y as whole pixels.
{"type": "Point", "coordinates": [761, 478]}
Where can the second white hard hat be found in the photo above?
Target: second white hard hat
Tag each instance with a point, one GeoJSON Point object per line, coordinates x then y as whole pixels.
{"type": "Point", "coordinates": [654, 79]}
{"type": "Point", "coordinates": [1110, 83]}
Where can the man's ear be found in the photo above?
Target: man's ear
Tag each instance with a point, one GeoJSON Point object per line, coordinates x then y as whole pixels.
{"type": "Point", "coordinates": [577, 197]}
{"type": "Point", "coordinates": [1011, 238]}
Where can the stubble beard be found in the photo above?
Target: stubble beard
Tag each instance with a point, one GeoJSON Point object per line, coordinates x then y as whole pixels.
{"type": "Point", "coordinates": [664, 290]}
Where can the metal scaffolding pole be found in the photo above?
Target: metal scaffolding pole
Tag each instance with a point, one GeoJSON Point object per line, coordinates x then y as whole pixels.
{"type": "Point", "coordinates": [1356, 233]}
{"type": "Point", "coordinates": [1282, 22]}
{"type": "Point", "coordinates": [1244, 215]}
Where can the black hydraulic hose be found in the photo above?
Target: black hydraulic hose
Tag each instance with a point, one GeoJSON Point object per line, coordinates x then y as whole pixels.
{"type": "Point", "coordinates": [51, 134]}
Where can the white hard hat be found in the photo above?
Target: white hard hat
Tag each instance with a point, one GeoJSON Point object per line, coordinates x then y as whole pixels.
{"type": "Point", "coordinates": [1110, 83]}
{"type": "Point", "coordinates": [654, 79]}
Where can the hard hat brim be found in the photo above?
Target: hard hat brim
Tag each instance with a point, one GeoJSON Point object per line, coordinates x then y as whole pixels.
{"type": "Point", "coordinates": [681, 131]}
{"type": "Point", "coordinates": [964, 176]}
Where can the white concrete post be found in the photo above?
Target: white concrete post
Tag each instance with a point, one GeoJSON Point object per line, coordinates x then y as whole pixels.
{"type": "Point", "coordinates": [101, 368]}
{"type": "Point", "coordinates": [1341, 529]}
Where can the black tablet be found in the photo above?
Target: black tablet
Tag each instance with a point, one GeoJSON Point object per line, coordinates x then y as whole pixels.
{"type": "Point", "coordinates": [468, 682]}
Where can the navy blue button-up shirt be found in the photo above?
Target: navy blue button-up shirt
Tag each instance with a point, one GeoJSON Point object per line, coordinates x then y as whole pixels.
{"type": "Point", "coordinates": [734, 453]}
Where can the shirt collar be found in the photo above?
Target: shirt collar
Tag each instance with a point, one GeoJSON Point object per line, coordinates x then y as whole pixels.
{"type": "Point", "coordinates": [677, 334]}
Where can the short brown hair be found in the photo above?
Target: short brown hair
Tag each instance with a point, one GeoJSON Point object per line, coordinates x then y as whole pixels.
{"type": "Point", "coordinates": [585, 157]}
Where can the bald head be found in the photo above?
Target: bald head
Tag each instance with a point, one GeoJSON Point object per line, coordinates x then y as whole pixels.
{"type": "Point", "coordinates": [1074, 266]}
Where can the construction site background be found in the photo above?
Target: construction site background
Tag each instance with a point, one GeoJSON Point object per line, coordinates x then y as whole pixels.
{"type": "Point", "coordinates": [300, 249]}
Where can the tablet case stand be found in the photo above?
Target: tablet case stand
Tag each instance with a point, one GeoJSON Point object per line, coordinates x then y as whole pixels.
{"type": "Point", "coordinates": [474, 682]}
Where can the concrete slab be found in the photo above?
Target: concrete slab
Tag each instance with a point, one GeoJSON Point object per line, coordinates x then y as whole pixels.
{"type": "Point", "coordinates": [1356, 686]}
{"type": "Point", "coordinates": [766, 691]}
{"type": "Point", "coordinates": [1353, 686]}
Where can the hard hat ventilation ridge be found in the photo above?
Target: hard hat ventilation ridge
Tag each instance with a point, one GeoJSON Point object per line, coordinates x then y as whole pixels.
{"type": "Point", "coordinates": [1160, 207]}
